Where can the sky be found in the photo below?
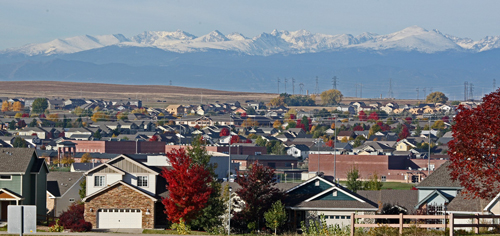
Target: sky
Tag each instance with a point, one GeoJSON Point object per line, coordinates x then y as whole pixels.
{"type": "Point", "coordinates": [23, 22]}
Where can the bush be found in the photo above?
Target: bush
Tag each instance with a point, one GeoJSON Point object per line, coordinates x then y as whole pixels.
{"type": "Point", "coordinates": [73, 220]}
{"type": "Point", "coordinates": [56, 227]}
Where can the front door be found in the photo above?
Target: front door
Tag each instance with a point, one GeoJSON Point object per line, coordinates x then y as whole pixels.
{"type": "Point", "coordinates": [3, 210]}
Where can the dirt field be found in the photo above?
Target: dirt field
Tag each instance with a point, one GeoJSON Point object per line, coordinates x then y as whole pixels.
{"type": "Point", "coordinates": [149, 94]}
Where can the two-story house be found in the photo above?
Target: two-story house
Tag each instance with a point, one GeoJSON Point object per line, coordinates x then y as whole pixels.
{"type": "Point", "coordinates": [23, 180]}
{"type": "Point", "coordinates": [124, 193]}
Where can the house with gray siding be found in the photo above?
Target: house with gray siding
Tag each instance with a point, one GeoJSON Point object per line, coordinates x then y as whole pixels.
{"type": "Point", "coordinates": [23, 180]}
{"type": "Point", "coordinates": [62, 191]}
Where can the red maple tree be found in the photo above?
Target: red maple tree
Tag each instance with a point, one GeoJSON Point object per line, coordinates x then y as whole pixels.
{"type": "Point", "coordinates": [373, 116]}
{"type": "Point", "coordinates": [474, 150]}
{"type": "Point", "coordinates": [235, 139]}
{"type": "Point", "coordinates": [224, 132]}
{"type": "Point", "coordinates": [408, 120]}
{"type": "Point", "coordinates": [358, 128]}
{"type": "Point", "coordinates": [362, 116]}
{"type": "Point", "coordinates": [404, 133]}
{"type": "Point", "coordinates": [258, 193]}
{"type": "Point", "coordinates": [330, 143]}
{"type": "Point", "coordinates": [153, 138]}
{"type": "Point", "coordinates": [188, 187]}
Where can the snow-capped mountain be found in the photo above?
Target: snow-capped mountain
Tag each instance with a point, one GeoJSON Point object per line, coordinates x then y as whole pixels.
{"type": "Point", "coordinates": [413, 38]}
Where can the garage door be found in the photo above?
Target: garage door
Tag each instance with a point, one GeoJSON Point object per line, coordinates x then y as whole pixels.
{"type": "Point", "coordinates": [119, 218]}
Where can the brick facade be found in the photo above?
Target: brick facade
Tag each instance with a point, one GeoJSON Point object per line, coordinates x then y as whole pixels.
{"type": "Point", "coordinates": [121, 197]}
{"type": "Point", "coordinates": [123, 147]}
{"type": "Point", "coordinates": [235, 149]}
{"type": "Point", "coordinates": [50, 205]}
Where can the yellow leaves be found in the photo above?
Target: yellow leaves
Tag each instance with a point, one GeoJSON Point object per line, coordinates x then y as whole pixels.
{"type": "Point", "coordinates": [53, 117]}
{"type": "Point", "coordinates": [249, 122]}
{"type": "Point", "coordinates": [331, 97]}
{"type": "Point", "coordinates": [277, 124]}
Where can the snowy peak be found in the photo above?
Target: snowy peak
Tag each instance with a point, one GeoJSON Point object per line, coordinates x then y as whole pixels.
{"type": "Point", "coordinates": [413, 38]}
{"type": "Point", "coordinates": [214, 36]}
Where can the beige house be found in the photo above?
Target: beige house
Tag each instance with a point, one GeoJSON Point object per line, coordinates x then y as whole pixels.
{"type": "Point", "coordinates": [176, 110]}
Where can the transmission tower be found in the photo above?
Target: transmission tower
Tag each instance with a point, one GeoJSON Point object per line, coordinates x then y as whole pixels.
{"type": "Point", "coordinates": [361, 90]}
{"type": "Point", "coordinates": [466, 84]}
{"type": "Point", "coordinates": [471, 92]}
{"type": "Point", "coordinates": [317, 86]}
{"type": "Point", "coordinates": [334, 82]}
{"type": "Point", "coordinates": [301, 85]}
{"type": "Point", "coordinates": [293, 86]}
{"type": "Point", "coordinates": [278, 85]}
{"type": "Point", "coordinates": [356, 90]}
{"type": "Point", "coordinates": [285, 84]}
{"type": "Point", "coordinates": [417, 93]}
{"type": "Point", "coordinates": [390, 94]}
{"type": "Point", "coordinates": [170, 82]}
{"type": "Point", "coordinates": [430, 90]}
{"type": "Point", "coordinates": [425, 92]}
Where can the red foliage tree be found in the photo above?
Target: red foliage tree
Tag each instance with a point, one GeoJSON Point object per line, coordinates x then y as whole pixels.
{"type": "Point", "coordinates": [292, 116]}
{"type": "Point", "coordinates": [25, 115]}
{"type": "Point", "coordinates": [243, 115]}
{"type": "Point", "coordinates": [235, 139]}
{"type": "Point", "coordinates": [42, 116]}
{"type": "Point", "coordinates": [73, 220]}
{"type": "Point", "coordinates": [404, 133]}
{"type": "Point", "coordinates": [474, 150]}
{"type": "Point", "coordinates": [188, 186]}
{"type": "Point", "coordinates": [330, 143]}
{"type": "Point", "coordinates": [62, 134]}
{"type": "Point", "coordinates": [197, 126]}
{"type": "Point", "coordinates": [258, 193]}
{"type": "Point", "coordinates": [358, 128]}
{"type": "Point", "coordinates": [362, 116]}
{"type": "Point", "coordinates": [373, 116]}
{"type": "Point", "coordinates": [446, 119]}
{"type": "Point", "coordinates": [224, 132]}
{"type": "Point", "coordinates": [154, 138]}
{"type": "Point", "coordinates": [408, 120]}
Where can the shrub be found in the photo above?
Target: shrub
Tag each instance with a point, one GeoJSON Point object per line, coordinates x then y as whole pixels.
{"type": "Point", "coordinates": [73, 220]}
{"type": "Point", "coordinates": [56, 227]}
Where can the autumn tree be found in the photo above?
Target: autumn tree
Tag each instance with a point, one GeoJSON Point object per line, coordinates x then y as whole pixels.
{"type": "Point", "coordinates": [258, 193]}
{"type": "Point", "coordinates": [436, 97]}
{"type": "Point", "coordinates": [86, 158]}
{"type": "Point", "coordinates": [39, 105]}
{"type": "Point", "coordinates": [373, 116]}
{"type": "Point", "coordinates": [5, 106]}
{"type": "Point", "coordinates": [224, 132]}
{"type": "Point", "coordinates": [305, 122]}
{"type": "Point", "coordinates": [362, 116]}
{"type": "Point", "coordinates": [188, 186]}
{"type": "Point", "coordinates": [331, 97]}
{"type": "Point", "coordinates": [17, 106]}
{"type": "Point", "coordinates": [99, 116]}
{"type": "Point", "coordinates": [474, 150]}
{"type": "Point", "coordinates": [290, 114]}
{"type": "Point", "coordinates": [277, 124]}
{"type": "Point", "coordinates": [438, 124]}
{"type": "Point", "coordinates": [404, 133]}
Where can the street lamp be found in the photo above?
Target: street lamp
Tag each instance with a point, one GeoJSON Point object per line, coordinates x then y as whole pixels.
{"type": "Point", "coordinates": [229, 214]}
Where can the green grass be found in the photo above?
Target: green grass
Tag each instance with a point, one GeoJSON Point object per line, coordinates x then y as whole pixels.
{"type": "Point", "coordinates": [391, 185]}
{"type": "Point", "coordinates": [174, 232]}
{"type": "Point", "coordinates": [3, 228]}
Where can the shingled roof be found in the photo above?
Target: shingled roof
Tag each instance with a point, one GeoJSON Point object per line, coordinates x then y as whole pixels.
{"type": "Point", "coordinates": [440, 178]}
{"type": "Point", "coordinates": [15, 160]}
{"type": "Point", "coordinates": [403, 198]}
{"type": "Point", "coordinates": [466, 203]}
{"type": "Point", "coordinates": [59, 183]}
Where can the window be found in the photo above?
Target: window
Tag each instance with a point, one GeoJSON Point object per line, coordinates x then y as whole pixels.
{"type": "Point", "coordinates": [334, 193]}
{"type": "Point", "coordinates": [342, 217]}
{"type": "Point", "coordinates": [5, 177]}
{"type": "Point", "coordinates": [258, 153]}
{"type": "Point", "coordinates": [71, 200]}
{"type": "Point", "coordinates": [142, 181]}
{"type": "Point", "coordinates": [384, 178]}
{"type": "Point", "coordinates": [316, 183]}
{"type": "Point", "coordinates": [99, 180]}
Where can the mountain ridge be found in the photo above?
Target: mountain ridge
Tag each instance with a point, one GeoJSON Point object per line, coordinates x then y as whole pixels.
{"type": "Point", "coordinates": [413, 38]}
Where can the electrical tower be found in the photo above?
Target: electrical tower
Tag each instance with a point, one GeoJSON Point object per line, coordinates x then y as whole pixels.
{"type": "Point", "coordinates": [356, 90]}
{"type": "Point", "coordinates": [430, 90]}
{"type": "Point", "coordinates": [278, 85]}
{"type": "Point", "coordinates": [466, 84]}
{"type": "Point", "coordinates": [417, 93]}
{"type": "Point", "coordinates": [301, 85]}
{"type": "Point", "coordinates": [334, 82]}
{"type": "Point", "coordinates": [471, 92]}
{"type": "Point", "coordinates": [390, 94]}
{"type": "Point", "coordinates": [425, 92]}
{"type": "Point", "coordinates": [293, 86]}
{"type": "Point", "coordinates": [285, 84]}
{"type": "Point", "coordinates": [317, 86]}
{"type": "Point", "coordinates": [170, 82]}
{"type": "Point", "coordinates": [361, 90]}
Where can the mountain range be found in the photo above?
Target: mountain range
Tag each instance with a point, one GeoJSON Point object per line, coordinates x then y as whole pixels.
{"type": "Point", "coordinates": [413, 57]}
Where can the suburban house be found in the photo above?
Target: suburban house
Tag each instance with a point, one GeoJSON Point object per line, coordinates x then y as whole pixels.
{"type": "Point", "coordinates": [124, 193]}
{"type": "Point", "coordinates": [62, 191]}
{"type": "Point", "coordinates": [273, 161]}
{"type": "Point", "coordinates": [319, 196]}
{"type": "Point", "coordinates": [23, 180]}
{"type": "Point", "coordinates": [176, 110]}
{"type": "Point", "coordinates": [298, 151]}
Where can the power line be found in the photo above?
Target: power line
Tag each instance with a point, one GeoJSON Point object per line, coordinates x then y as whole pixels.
{"type": "Point", "coordinates": [425, 92]}
{"type": "Point", "coordinates": [285, 84]}
{"type": "Point", "coordinates": [334, 82]}
{"type": "Point", "coordinates": [361, 90]}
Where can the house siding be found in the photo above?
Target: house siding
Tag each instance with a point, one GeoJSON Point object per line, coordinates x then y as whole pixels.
{"type": "Point", "coordinates": [121, 197]}
{"type": "Point", "coordinates": [13, 185]}
{"type": "Point", "coordinates": [41, 188]}
{"type": "Point", "coordinates": [310, 188]}
{"type": "Point", "coordinates": [62, 203]}
{"type": "Point", "coordinates": [340, 196]}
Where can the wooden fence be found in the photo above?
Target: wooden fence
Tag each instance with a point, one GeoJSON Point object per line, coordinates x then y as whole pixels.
{"type": "Point", "coordinates": [448, 221]}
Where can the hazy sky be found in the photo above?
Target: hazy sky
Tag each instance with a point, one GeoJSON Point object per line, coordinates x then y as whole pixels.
{"type": "Point", "coordinates": [23, 22]}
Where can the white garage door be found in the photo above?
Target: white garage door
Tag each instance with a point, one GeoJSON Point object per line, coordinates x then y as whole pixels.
{"type": "Point", "coordinates": [119, 218]}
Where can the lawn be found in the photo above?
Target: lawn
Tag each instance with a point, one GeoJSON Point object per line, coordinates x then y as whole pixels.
{"type": "Point", "coordinates": [3, 228]}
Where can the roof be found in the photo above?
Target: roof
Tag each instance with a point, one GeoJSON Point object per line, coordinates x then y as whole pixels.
{"type": "Point", "coordinates": [466, 203]}
{"type": "Point", "coordinates": [58, 183]}
{"type": "Point", "coordinates": [83, 167]}
{"type": "Point", "coordinates": [337, 204]}
{"type": "Point", "coordinates": [272, 157]}
{"type": "Point", "coordinates": [403, 198]}
{"type": "Point", "coordinates": [116, 183]}
{"type": "Point", "coordinates": [440, 178]}
{"type": "Point", "coordinates": [15, 160]}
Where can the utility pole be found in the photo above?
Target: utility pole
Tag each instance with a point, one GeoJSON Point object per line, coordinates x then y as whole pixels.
{"type": "Point", "coordinates": [170, 82]}
{"type": "Point", "coordinates": [335, 153]}
{"type": "Point", "coordinates": [293, 86]}
{"type": "Point", "coordinates": [317, 86]}
{"type": "Point", "coordinates": [429, 158]}
{"type": "Point", "coordinates": [356, 90]}
{"type": "Point", "coordinates": [361, 90]}
{"type": "Point", "coordinates": [334, 82]}
{"type": "Point", "coordinates": [229, 177]}
{"type": "Point", "coordinates": [417, 93]}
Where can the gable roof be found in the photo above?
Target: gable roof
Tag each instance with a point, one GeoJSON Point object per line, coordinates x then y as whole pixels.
{"type": "Point", "coordinates": [432, 194]}
{"type": "Point", "coordinates": [117, 183]}
{"type": "Point", "coordinates": [406, 199]}
{"type": "Point", "coordinates": [128, 158]}
{"type": "Point", "coordinates": [466, 203]}
{"type": "Point", "coordinates": [440, 178]}
{"type": "Point", "coordinates": [58, 183]}
{"type": "Point", "coordinates": [15, 160]}
{"type": "Point", "coordinates": [12, 194]}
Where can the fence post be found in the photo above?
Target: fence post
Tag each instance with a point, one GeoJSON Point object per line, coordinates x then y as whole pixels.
{"type": "Point", "coordinates": [400, 223]}
{"type": "Point", "coordinates": [451, 225]}
{"type": "Point", "coordinates": [476, 221]}
{"type": "Point", "coordinates": [353, 221]}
